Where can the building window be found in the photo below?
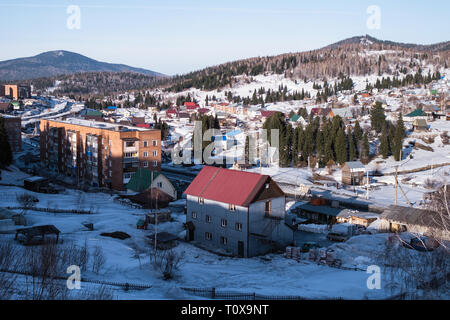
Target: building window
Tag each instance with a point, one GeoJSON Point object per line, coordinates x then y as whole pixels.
{"type": "Point", "coordinates": [223, 241]}
{"type": "Point", "coordinates": [159, 184]}
{"type": "Point", "coordinates": [155, 163]}
{"type": "Point", "coordinates": [208, 235]}
{"type": "Point", "coordinates": [224, 223]}
{"type": "Point", "coordinates": [145, 154]}
{"type": "Point", "coordinates": [130, 143]}
{"type": "Point", "coordinates": [145, 144]}
{"type": "Point", "coordinates": [208, 219]}
{"type": "Point", "coordinates": [194, 215]}
{"type": "Point", "coordinates": [110, 143]}
{"type": "Point", "coordinates": [155, 153]}
{"type": "Point", "coordinates": [110, 173]}
{"type": "Point", "coordinates": [145, 164]}
{"type": "Point", "coordinates": [155, 143]}
{"type": "Point", "coordinates": [231, 207]}
{"type": "Point", "coordinates": [238, 226]}
{"type": "Point", "coordinates": [267, 208]}
{"type": "Point", "coordinates": [201, 200]}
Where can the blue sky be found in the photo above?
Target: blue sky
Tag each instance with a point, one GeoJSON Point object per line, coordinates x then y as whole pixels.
{"type": "Point", "coordinates": [175, 37]}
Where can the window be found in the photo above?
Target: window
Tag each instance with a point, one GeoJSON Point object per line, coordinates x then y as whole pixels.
{"type": "Point", "coordinates": [224, 223]}
{"type": "Point", "coordinates": [155, 163]}
{"type": "Point", "coordinates": [145, 144]}
{"type": "Point", "coordinates": [223, 241]}
{"type": "Point", "coordinates": [110, 142]}
{"type": "Point", "coordinates": [145, 164]}
{"type": "Point", "coordinates": [159, 184]}
{"type": "Point", "coordinates": [231, 207]}
{"type": "Point", "coordinates": [155, 143]}
{"type": "Point", "coordinates": [208, 219]}
{"type": "Point", "coordinates": [145, 154]}
{"type": "Point", "coordinates": [238, 226]}
{"type": "Point", "coordinates": [201, 200]}
{"type": "Point", "coordinates": [110, 173]}
{"type": "Point", "coordinates": [155, 153]}
{"type": "Point", "coordinates": [208, 235]}
{"type": "Point", "coordinates": [194, 215]}
{"type": "Point", "coordinates": [267, 207]}
{"type": "Point", "coordinates": [130, 143]}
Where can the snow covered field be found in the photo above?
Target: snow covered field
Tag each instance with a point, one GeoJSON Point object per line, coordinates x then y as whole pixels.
{"type": "Point", "coordinates": [270, 275]}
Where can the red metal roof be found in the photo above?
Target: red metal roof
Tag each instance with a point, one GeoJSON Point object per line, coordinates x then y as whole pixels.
{"type": "Point", "coordinates": [190, 104]}
{"type": "Point", "coordinates": [203, 110]}
{"type": "Point", "coordinates": [227, 186]}
{"type": "Point", "coordinates": [267, 114]}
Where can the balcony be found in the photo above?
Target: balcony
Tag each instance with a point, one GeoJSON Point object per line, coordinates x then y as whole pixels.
{"type": "Point", "coordinates": [131, 160]}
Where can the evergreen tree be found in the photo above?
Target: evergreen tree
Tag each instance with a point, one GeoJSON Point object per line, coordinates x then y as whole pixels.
{"type": "Point", "coordinates": [6, 157]}
{"type": "Point", "coordinates": [365, 148]}
{"type": "Point", "coordinates": [351, 145]}
{"type": "Point", "coordinates": [398, 139]}
{"type": "Point", "coordinates": [341, 147]}
{"type": "Point", "coordinates": [384, 144]}
{"type": "Point", "coordinates": [377, 117]}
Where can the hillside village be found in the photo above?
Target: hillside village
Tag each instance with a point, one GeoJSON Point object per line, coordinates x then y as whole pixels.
{"type": "Point", "coordinates": [360, 178]}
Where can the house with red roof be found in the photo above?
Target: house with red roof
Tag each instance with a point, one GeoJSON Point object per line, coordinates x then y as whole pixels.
{"type": "Point", "coordinates": [236, 213]}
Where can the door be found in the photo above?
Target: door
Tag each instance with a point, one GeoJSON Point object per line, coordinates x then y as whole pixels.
{"type": "Point", "coordinates": [240, 249]}
{"type": "Point", "coordinates": [191, 234]}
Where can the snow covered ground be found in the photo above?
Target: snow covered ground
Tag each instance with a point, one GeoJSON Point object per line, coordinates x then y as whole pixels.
{"type": "Point", "coordinates": [270, 275]}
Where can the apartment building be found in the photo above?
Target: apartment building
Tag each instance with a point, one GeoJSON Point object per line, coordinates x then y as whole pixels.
{"type": "Point", "coordinates": [98, 153]}
{"type": "Point", "coordinates": [13, 126]}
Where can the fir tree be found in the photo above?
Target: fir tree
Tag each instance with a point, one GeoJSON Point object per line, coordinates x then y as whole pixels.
{"type": "Point", "coordinates": [384, 144]}
{"type": "Point", "coordinates": [365, 148]}
{"type": "Point", "coordinates": [341, 147]}
{"type": "Point", "coordinates": [377, 117]}
{"type": "Point", "coordinates": [6, 157]}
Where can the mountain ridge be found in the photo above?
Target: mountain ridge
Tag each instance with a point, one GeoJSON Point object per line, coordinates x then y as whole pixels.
{"type": "Point", "coordinates": [60, 62]}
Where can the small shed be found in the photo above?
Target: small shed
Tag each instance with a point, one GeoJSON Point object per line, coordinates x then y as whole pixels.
{"type": "Point", "coordinates": [36, 184]}
{"type": "Point", "coordinates": [406, 219]}
{"type": "Point", "coordinates": [420, 125]}
{"type": "Point", "coordinates": [29, 235]}
{"type": "Point", "coordinates": [355, 217]}
{"type": "Point", "coordinates": [353, 173]}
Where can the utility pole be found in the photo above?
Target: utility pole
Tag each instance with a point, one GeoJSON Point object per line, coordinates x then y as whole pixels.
{"type": "Point", "coordinates": [367, 186]}
{"type": "Point", "coordinates": [396, 184]}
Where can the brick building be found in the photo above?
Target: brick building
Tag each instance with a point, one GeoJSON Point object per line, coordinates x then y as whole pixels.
{"type": "Point", "coordinates": [98, 153]}
{"type": "Point", "coordinates": [13, 128]}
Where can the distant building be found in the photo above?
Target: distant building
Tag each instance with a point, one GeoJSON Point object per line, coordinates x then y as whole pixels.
{"type": "Point", "coordinates": [13, 126]}
{"type": "Point", "coordinates": [420, 125]}
{"type": "Point", "coordinates": [236, 212]}
{"type": "Point", "coordinates": [15, 92]}
{"type": "Point", "coordinates": [91, 114]}
{"type": "Point", "coordinates": [98, 153]}
{"type": "Point", "coordinates": [353, 173]}
{"type": "Point", "coordinates": [5, 107]}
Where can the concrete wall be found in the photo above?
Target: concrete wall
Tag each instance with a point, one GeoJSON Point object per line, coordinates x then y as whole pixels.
{"type": "Point", "coordinates": [252, 219]}
{"type": "Point", "coordinates": [218, 211]}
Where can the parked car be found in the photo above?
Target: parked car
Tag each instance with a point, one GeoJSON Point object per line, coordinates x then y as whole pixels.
{"type": "Point", "coordinates": [332, 236]}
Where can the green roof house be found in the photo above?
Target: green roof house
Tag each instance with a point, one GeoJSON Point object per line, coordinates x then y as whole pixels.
{"type": "Point", "coordinates": [141, 181]}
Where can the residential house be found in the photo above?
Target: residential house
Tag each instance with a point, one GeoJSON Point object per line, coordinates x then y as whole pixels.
{"type": "Point", "coordinates": [236, 212]}
{"type": "Point", "coordinates": [420, 125]}
{"type": "Point", "coordinates": [353, 173]}
{"type": "Point", "coordinates": [143, 179]}
{"type": "Point", "coordinates": [415, 115]}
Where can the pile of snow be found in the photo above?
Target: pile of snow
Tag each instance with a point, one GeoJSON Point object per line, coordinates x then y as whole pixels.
{"type": "Point", "coordinates": [314, 228]}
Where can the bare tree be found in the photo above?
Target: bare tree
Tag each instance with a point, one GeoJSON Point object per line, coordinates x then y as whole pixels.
{"type": "Point", "coordinates": [98, 259]}
{"type": "Point", "coordinates": [26, 201]}
{"type": "Point", "coordinates": [167, 262]}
